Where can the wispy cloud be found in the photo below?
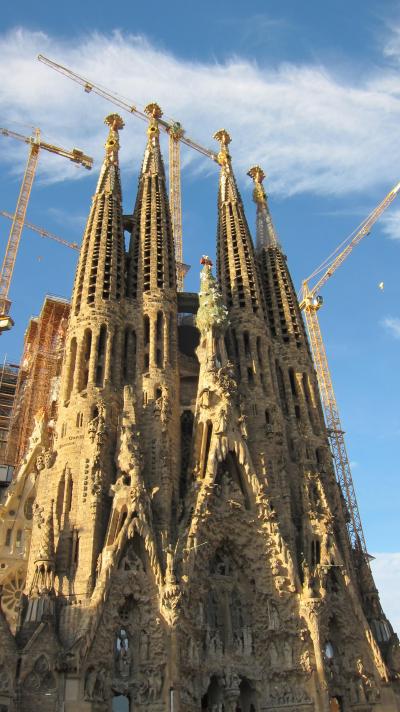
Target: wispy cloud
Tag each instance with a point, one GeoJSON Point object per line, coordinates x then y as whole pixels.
{"type": "Point", "coordinates": [392, 324]}
{"type": "Point", "coordinates": [391, 224]}
{"type": "Point", "coordinates": [386, 571]}
{"type": "Point", "coordinates": [311, 130]}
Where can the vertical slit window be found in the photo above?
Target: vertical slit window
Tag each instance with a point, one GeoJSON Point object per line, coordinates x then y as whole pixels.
{"type": "Point", "coordinates": [282, 389]}
{"type": "Point", "coordinates": [101, 350]}
{"type": "Point", "coordinates": [84, 370]}
{"type": "Point", "coordinates": [208, 435]}
{"type": "Point", "coordinates": [72, 365]}
{"type": "Point", "coordinates": [159, 339]}
{"type": "Point", "coordinates": [292, 380]}
{"type": "Point", "coordinates": [113, 364]}
{"type": "Point", "coordinates": [246, 342]}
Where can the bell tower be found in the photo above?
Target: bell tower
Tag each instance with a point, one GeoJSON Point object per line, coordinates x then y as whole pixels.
{"type": "Point", "coordinates": [78, 476]}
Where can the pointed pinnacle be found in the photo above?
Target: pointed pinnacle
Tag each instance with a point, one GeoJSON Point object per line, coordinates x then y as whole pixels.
{"type": "Point", "coordinates": [115, 122]}
{"type": "Point", "coordinates": [154, 112]}
{"type": "Point", "coordinates": [258, 175]}
{"type": "Point", "coordinates": [224, 140]}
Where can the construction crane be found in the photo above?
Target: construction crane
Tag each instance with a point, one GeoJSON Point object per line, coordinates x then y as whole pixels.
{"type": "Point", "coordinates": [42, 232]}
{"type": "Point", "coordinates": [176, 135]}
{"type": "Point", "coordinates": [36, 144]}
{"type": "Point", "coordinates": [311, 302]}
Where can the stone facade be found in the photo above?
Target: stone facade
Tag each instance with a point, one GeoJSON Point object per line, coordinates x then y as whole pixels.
{"type": "Point", "coordinates": [189, 548]}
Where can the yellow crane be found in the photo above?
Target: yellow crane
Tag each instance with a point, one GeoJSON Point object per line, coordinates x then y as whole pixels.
{"type": "Point", "coordinates": [36, 144]}
{"type": "Point", "coordinates": [42, 232]}
{"type": "Point", "coordinates": [310, 303]}
{"type": "Point", "coordinates": [176, 136]}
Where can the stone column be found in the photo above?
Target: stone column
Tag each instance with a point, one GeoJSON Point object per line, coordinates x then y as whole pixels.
{"type": "Point", "coordinates": [312, 609]}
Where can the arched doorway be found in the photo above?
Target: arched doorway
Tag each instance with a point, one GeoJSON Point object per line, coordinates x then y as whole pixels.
{"type": "Point", "coordinates": [213, 697]}
{"type": "Point", "coordinates": [247, 697]}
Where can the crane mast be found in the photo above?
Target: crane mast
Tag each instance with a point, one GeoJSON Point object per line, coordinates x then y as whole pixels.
{"type": "Point", "coordinates": [176, 136]}
{"type": "Point", "coordinates": [35, 143]}
{"type": "Point", "coordinates": [334, 426]}
{"type": "Point", "coordinates": [310, 303]}
{"type": "Point", "coordinates": [10, 255]}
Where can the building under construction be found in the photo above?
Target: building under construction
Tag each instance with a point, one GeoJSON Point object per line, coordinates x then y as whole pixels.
{"type": "Point", "coordinates": [8, 387]}
{"type": "Point", "coordinates": [38, 375]}
{"type": "Point", "coordinates": [176, 539]}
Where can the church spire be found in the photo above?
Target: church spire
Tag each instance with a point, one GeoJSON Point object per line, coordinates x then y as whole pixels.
{"type": "Point", "coordinates": [283, 311]}
{"type": "Point", "coordinates": [266, 234]}
{"type": "Point", "coordinates": [151, 253]}
{"type": "Point", "coordinates": [237, 269]}
{"type": "Point", "coordinates": [100, 272]}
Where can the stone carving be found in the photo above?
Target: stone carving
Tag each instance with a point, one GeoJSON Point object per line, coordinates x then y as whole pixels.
{"type": "Point", "coordinates": [283, 695]}
{"type": "Point", "coordinates": [287, 654]}
{"type": "Point", "coordinates": [97, 683]}
{"type": "Point", "coordinates": [48, 458]}
{"type": "Point", "coordinates": [4, 680]}
{"type": "Point", "coordinates": [151, 685]}
{"type": "Point", "coordinates": [122, 654]}
{"type": "Point", "coordinates": [96, 426]}
{"type": "Point", "coordinates": [199, 566]}
{"type": "Point", "coordinates": [162, 407]}
{"type": "Point", "coordinates": [306, 663]}
{"type": "Point", "coordinates": [273, 656]}
{"type": "Point", "coordinates": [363, 686]}
{"type": "Point", "coordinates": [214, 645]}
{"type": "Point", "coordinates": [273, 616]}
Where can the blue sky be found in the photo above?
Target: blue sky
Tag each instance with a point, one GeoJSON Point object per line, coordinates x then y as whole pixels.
{"type": "Point", "coordinates": [308, 90]}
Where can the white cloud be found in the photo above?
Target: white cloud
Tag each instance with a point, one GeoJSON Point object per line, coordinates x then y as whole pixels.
{"type": "Point", "coordinates": [392, 324]}
{"type": "Point", "coordinates": [386, 571]}
{"type": "Point", "coordinates": [311, 130]}
{"type": "Point", "coordinates": [391, 224]}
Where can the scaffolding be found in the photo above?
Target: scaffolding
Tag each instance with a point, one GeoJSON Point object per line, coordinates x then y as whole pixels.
{"type": "Point", "coordinates": [39, 373]}
{"type": "Point", "coordinates": [8, 387]}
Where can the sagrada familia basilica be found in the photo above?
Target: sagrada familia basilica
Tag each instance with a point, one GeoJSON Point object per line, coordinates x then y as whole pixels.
{"type": "Point", "coordinates": [186, 538]}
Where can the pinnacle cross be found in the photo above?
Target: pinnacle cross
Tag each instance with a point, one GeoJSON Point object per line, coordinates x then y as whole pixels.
{"type": "Point", "coordinates": [224, 140]}
{"type": "Point", "coordinates": [115, 122]}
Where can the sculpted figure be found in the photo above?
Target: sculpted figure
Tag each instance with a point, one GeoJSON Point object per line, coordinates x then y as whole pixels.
{"type": "Point", "coordinates": [90, 684]}
{"type": "Point", "coordinates": [305, 662]}
{"type": "Point", "coordinates": [169, 573]}
{"type": "Point", "coordinates": [273, 656]}
{"type": "Point", "coordinates": [288, 654]}
{"type": "Point", "coordinates": [242, 420]}
{"type": "Point", "coordinates": [123, 653]}
{"type": "Point", "coordinates": [155, 683]}
{"type": "Point", "coordinates": [222, 422]}
{"type": "Point", "coordinates": [144, 645]}
{"type": "Point", "coordinates": [273, 615]}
